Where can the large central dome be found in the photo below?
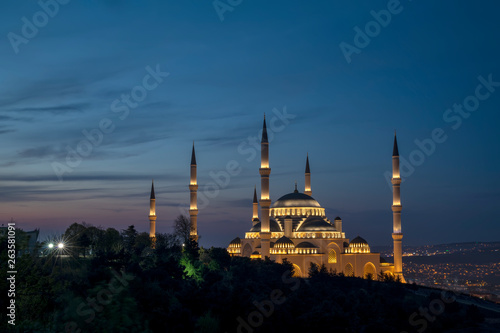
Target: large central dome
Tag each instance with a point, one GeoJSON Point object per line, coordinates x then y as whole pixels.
{"type": "Point", "coordinates": [295, 199]}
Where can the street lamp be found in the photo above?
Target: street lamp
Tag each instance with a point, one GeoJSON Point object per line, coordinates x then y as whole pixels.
{"type": "Point", "coordinates": [51, 245]}
{"type": "Point", "coordinates": [60, 245]}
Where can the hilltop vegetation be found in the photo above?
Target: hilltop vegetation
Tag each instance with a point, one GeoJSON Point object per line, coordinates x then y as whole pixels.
{"type": "Point", "coordinates": [110, 281]}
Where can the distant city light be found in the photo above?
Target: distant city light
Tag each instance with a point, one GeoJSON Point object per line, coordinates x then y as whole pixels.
{"type": "Point", "coordinates": [51, 245]}
{"type": "Point", "coordinates": [60, 245]}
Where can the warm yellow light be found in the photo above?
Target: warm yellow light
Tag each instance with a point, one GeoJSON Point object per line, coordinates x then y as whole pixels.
{"type": "Point", "coordinates": [60, 245]}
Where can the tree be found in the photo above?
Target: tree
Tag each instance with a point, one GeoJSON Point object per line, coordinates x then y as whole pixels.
{"type": "Point", "coordinates": [165, 242]}
{"type": "Point", "coordinates": [313, 269]}
{"type": "Point", "coordinates": [77, 239]}
{"type": "Point", "coordinates": [94, 234]}
{"type": "Point", "coordinates": [142, 241]}
{"type": "Point", "coordinates": [129, 235]}
{"type": "Point", "coordinates": [182, 228]}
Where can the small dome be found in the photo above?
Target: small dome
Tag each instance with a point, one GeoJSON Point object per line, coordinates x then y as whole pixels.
{"type": "Point", "coordinates": [306, 245]}
{"type": "Point", "coordinates": [284, 242]}
{"type": "Point", "coordinates": [359, 240]}
{"type": "Point", "coordinates": [235, 246]}
{"type": "Point", "coordinates": [358, 245]}
{"type": "Point", "coordinates": [235, 242]}
{"type": "Point", "coordinates": [338, 218]}
{"type": "Point", "coordinates": [295, 200]}
{"type": "Point", "coordinates": [273, 226]}
{"type": "Point", "coordinates": [316, 223]}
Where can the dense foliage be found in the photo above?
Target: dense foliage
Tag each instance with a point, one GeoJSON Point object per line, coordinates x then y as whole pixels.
{"type": "Point", "coordinates": [110, 281]}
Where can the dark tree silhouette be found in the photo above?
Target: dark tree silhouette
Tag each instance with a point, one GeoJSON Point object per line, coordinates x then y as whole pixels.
{"type": "Point", "coordinates": [182, 228]}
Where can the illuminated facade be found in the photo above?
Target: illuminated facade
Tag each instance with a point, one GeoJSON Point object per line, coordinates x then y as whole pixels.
{"type": "Point", "coordinates": [296, 227]}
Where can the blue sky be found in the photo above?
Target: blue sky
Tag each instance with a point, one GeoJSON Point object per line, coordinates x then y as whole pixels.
{"type": "Point", "coordinates": [223, 75]}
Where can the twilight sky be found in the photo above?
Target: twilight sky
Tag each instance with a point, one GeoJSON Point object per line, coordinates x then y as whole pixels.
{"type": "Point", "coordinates": [332, 81]}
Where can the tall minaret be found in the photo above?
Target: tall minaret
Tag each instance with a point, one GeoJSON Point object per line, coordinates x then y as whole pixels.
{"type": "Point", "coordinates": [152, 214]}
{"type": "Point", "coordinates": [255, 217]}
{"type": "Point", "coordinates": [397, 234]}
{"type": "Point", "coordinates": [307, 189]}
{"type": "Point", "coordinates": [193, 206]}
{"type": "Point", "coordinates": [265, 200]}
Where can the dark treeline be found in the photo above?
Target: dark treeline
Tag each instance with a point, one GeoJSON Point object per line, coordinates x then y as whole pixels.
{"type": "Point", "coordinates": [105, 280]}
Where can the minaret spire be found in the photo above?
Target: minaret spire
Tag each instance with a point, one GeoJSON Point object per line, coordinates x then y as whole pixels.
{"type": "Point", "coordinates": [255, 217]}
{"type": "Point", "coordinates": [264, 131]}
{"type": "Point", "coordinates": [152, 196]}
{"type": "Point", "coordinates": [395, 151]}
{"type": "Point", "coordinates": [307, 188]}
{"type": "Point", "coordinates": [193, 191]}
{"type": "Point", "coordinates": [152, 215]}
{"type": "Point", "coordinates": [397, 234]}
{"type": "Point", "coordinates": [265, 200]}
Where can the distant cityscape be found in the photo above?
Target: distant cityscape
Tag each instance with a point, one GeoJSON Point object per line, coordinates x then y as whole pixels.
{"type": "Point", "coordinates": [471, 268]}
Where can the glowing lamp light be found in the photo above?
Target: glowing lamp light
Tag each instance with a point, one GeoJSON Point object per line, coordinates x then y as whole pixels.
{"type": "Point", "coordinates": [60, 245]}
{"type": "Point", "coordinates": [51, 245]}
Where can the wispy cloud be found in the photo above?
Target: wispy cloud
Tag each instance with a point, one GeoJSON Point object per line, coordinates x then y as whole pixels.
{"type": "Point", "coordinates": [55, 109]}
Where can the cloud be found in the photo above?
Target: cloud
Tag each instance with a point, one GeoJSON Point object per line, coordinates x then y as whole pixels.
{"type": "Point", "coordinates": [243, 203]}
{"type": "Point", "coordinates": [56, 109]}
{"type": "Point", "coordinates": [40, 152]}
{"type": "Point", "coordinates": [5, 131]}
{"type": "Point", "coordinates": [5, 118]}
{"type": "Point", "coordinates": [89, 177]}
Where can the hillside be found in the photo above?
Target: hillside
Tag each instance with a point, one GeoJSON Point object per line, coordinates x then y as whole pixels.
{"type": "Point", "coordinates": [186, 289]}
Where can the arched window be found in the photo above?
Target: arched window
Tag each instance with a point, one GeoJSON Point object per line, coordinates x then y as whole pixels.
{"type": "Point", "coordinates": [332, 257]}
{"type": "Point", "coordinates": [247, 250]}
{"type": "Point", "coordinates": [369, 271]}
{"type": "Point", "coordinates": [296, 271]}
{"type": "Point", "coordinates": [349, 270]}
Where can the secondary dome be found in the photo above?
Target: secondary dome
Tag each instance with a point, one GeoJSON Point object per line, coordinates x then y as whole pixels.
{"type": "Point", "coordinates": [234, 247]}
{"type": "Point", "coordinates": [358, 245]}
{"type": "Point", "coordinates": [316, 223]}
{"type": "Point", "coordinates": [235, 242]}
{"type": "Point", "coordinates": [295, 199]}
{"type": "Point", "coordinates": [284, 242]}
{"type": "Point", "coordinates": [273, 226]}
{"type": "Point", "coordinates": [306, 245]}
{"type": "Point", "coordinates": [359, 240]}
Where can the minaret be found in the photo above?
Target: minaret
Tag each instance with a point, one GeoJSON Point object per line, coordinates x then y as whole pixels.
{"type": "Point", "coordinates": [193, 206]}
{"type": "Point", "coordinates": [255, 217]}
{"type": "Point", "coordinates": [307, 189]}
{"type": "Point", "coordinates": [152, 215]}
{"type": "Point", "coordinates": [397, 234]}
{"type": "Point", "coordinates": [265, 200]}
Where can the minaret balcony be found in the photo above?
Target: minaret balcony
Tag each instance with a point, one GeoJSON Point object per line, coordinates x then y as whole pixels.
{"type": "Point", "coordinates": [396, 208]}
{"type": "Point", "coordinates": [396, 181]}
{"type": "Point", "coordinates": [265, 171]}
{"type": "Point", "coordinates": [397, 236]}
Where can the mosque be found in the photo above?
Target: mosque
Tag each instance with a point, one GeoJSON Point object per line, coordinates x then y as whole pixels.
{"type": "Point", "coordinates": [296, 227]}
